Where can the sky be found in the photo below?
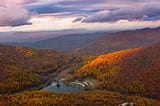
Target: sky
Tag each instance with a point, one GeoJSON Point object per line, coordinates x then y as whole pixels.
{"type": "Point", "coordinates": [40, 15]}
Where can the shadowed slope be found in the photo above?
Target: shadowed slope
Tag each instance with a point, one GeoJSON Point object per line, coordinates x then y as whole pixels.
{"type": "Point", "coordinates": [122, 40]}
{"type": "Point", "coordinates": [24, 68]}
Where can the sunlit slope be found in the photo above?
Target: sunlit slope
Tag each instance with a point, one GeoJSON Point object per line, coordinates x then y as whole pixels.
{"type": "Point", "coordinates": [135, 71]}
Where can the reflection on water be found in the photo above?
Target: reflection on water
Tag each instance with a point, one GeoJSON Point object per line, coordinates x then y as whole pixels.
{"type": "Point", "coordinates": [63, 88]}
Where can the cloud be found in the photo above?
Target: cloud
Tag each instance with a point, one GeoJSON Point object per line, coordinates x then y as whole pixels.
{"type": "Point", "coordinates": [77, 19]}
{"type": "Point", "coordinates": [18, 12]}
{"type": "Point", "coordinates": [58, 6]}
{"type": "Point", "coordinates": [13, 13]}
{"type": "Point", "coordinates": [50, 9]}
{"type": "Point", "coordinates": [99, 10]}
{"type": "Point", "coordinates": [149, 12]}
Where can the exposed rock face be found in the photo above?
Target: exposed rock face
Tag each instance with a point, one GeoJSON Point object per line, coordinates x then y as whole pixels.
{"type": "Point", "coordinates": [128, 104]}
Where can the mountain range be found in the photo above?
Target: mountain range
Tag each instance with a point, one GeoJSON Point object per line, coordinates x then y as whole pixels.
{"type": "Point", "coordinates": [34, 36]}
{"type": "Point", "coordinates": [97, 43]}
{"type": "Point", "coordinates": [122, 40]}
{"type": "Point", "coordinates": [64, 43]}
{"type": "Point", "coordinates": [122, 66]}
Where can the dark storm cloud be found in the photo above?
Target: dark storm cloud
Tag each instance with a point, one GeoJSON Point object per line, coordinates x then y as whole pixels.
{"type": "Point", "coordinates": [71, 10]}
{"type": "Point", "coordinates": [80, 2]}
{"type": "Point", "coordinates": [58, 6]}
{"type": "Point", "coordinates": [50, 9]}
{"type": "Point", "coordinates": [19, 23]}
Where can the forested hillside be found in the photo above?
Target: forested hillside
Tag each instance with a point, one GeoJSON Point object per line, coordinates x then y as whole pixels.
{"type": "Point", "coordinates": [23, 68]}
{"type": "Point", "coordinates": [134, 71]}
{"type": "Point", "coordinates": [98, 98]}
{"type": "Point", "coordinates": [133, 76]}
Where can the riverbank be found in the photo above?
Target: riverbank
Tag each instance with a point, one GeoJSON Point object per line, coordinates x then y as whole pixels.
{"type": "Point", "coordinates": [84, 84]}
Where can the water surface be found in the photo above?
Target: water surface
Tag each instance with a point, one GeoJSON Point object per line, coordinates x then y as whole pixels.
{"type": "Point", "coordinates": [63, 88]}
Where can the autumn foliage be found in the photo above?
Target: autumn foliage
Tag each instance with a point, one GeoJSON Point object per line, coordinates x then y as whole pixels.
{"type": "Point", "coordinates": [98, 98]}
{"type": "Point", "coordinates": [135, 71]}
{"type": "Point", "coordinates": [23, 68]}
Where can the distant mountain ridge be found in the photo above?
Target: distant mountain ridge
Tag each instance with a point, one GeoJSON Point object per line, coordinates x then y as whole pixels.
{"type": "Point", "coordinates": [33, 36]}
{"type": "Point", "coordinates": [67, 43]}
{"type": "Point", "coordinates": [122, 40]}
{"type": "Point", "coordinates": [95, 43]}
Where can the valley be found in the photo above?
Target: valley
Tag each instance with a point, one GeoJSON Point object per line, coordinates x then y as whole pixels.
{"type": "Point", "coordinates": [37, 76]}
{"type": "Point", "coordinates": [26, 68]}
{"type": "Point", "coordinates": [79, 52]}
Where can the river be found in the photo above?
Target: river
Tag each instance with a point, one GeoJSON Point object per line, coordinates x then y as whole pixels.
{"type": "Point", "coordinates": [63, 88]}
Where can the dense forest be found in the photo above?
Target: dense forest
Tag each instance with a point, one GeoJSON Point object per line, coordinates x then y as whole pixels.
{"type": "Point", "coordinates": [97, 98]}
{"type": "Point", "coordinates": [134, 71]}
{"type": "Point", "coordinates": [24, 68]}
{"type": "Point", "coordinates": [79, 52]}
{"type": "Point", "coordinates": [124, 76]}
